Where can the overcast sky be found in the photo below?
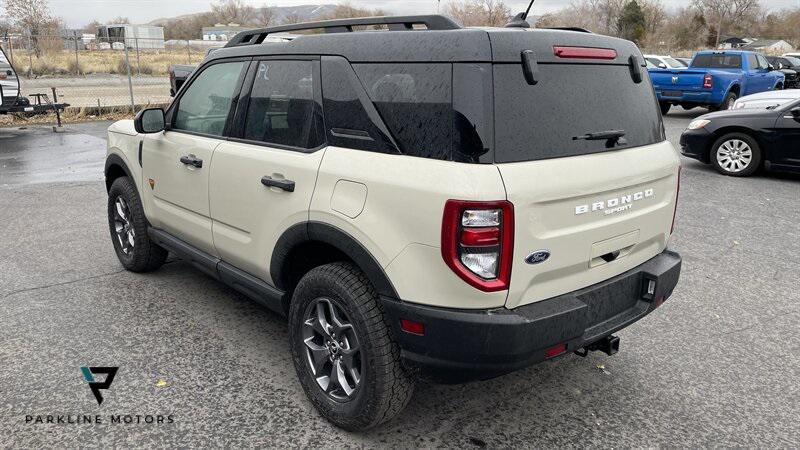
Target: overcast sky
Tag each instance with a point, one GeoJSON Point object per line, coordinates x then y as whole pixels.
{"type": "Point", "coordinates": [77, 13]}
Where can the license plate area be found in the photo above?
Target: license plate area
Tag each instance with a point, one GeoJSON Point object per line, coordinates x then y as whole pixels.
{"type": "Point", "coordinates": [671, 94]}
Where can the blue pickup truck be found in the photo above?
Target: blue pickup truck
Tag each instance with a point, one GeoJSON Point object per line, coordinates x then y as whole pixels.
{"type": "Point", "coordinates": [715, 79]}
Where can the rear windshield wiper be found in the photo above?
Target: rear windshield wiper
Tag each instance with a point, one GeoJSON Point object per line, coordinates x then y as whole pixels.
{"type": "Point", "coordinates": [612, 137]}
{"type": "Point", "coordinates": [601, 135]}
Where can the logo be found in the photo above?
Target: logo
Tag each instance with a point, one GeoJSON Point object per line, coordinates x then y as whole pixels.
{"type": "Point", "coordinates": [615, 204]}
{"type": "Point", "coordinates": [539, 256]}
{"type": "Point", "coordinates": [675, 79]}
{"type": "Point", "coordinates": [95, 386]}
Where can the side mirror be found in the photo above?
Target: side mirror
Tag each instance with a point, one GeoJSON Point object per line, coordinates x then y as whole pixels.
{"type": "Point", "coordinates": [795, 112]}
{"type": "Point", "coordinates": [662, 66]}
{"type": "Point", "coordinates": [771, 67]}
{"type": "Point", "coordinates": [149, 120]}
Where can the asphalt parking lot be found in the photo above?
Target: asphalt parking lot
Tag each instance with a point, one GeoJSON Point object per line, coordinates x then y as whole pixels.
{"type": "Point", "coordinates": [717, 365]}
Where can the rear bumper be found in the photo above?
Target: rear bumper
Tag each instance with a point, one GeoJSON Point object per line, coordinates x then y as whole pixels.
{"type": "Point", "coordinates": [689, 97]}
{"type": "Point", "coordinates": [463, 345]}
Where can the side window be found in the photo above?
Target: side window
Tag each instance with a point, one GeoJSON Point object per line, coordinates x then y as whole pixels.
{"type": "Point", "coordinates": [415, 102]}
{"type": "Point", "coordinates": [283, 107]}
{"type": "Point", "coordinates": [349, 123]}
{"type": "Point", "coordinates": [205, 104]}
{"type": "Point", "coordinates": [654, 61]}
{"type": "Point", "coordinates": [762, 62]}
{"type": "Point", "coordinates": [752, 61]}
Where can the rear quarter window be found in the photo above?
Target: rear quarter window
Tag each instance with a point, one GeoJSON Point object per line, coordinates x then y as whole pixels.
{"type": "Point", "coordinates": [542, 121]}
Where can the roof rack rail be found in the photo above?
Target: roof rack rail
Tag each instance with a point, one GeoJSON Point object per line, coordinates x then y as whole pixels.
{"type": "Point", "coordinates": [578, 29]}
{"type": "Point", "coordinates": [394, 23]}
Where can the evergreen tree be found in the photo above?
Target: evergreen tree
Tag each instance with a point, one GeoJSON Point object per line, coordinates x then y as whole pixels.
{"type": "Point", "coordinates": [631, 22]}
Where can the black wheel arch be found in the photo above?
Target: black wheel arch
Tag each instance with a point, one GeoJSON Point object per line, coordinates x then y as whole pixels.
{"type": "Point", "coordinates": [116, 167]}
{"type": "Point", "coordinates": [306, 245]}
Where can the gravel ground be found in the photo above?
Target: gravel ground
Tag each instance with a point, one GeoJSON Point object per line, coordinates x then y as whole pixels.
{"type": "Point", "coordinates": [717, 365]}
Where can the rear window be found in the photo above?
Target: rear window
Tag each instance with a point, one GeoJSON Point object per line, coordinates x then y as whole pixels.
{"type": "Point", "coordinates": [717, 61]}
{"type": "Point", "coordinates": [570, 100]}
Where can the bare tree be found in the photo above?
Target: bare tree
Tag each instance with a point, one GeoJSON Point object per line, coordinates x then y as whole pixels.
{"type": "Point", "coordinates": [264, 16]}
{"type": "Point", "coordinates": [470, 13]}
{"type": "Point", "coordinates": [722, 13]}
{"type": "Point", "coordinates": [233, 11]}
{"type": "Point", "coordinates": [32, 17]}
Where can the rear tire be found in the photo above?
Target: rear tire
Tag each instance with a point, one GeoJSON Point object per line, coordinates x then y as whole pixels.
{"type": "Point", "coordinates": [730, 99]}
{"type": "Point", "coordinates": [665, 106]}
{"type": "Point", "coordinates": [358, 352]}
{"type": "Point", "coordinates": [128, 227]}
{"type": "Point", "coordinates": [736, 155]}
{"type": "Point", "coordinates": [779, 87]}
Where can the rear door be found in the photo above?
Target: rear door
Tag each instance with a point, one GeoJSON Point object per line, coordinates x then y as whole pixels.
{"type": "Point", "coordinates": [262, 179]}
{"type": "Point", "coordinates": [598, 206]}
{"type": "Point", "coordinates": [176, 163]}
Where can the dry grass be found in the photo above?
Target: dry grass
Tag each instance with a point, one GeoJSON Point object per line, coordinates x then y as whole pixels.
{"type": "Point", "coordinates": [150, 62]}
{"type": "Point", "coordinates": [71, 115]}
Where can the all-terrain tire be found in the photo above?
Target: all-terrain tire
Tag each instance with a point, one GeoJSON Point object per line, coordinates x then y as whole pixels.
{"type": "Point", "coordinates": [143, 255]}
{"type": "Point", "coordinates": [385, 387]}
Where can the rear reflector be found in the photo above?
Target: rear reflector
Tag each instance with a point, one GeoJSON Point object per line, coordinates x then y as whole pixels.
{"type": "Point", "coordinates": [585, 52]}
{"type": "Point", "coordinates": [409, 326]}
{"type": "Point", "coordinates": [555, 351]}
{"type": "Point", "coordinates": [477, 237]}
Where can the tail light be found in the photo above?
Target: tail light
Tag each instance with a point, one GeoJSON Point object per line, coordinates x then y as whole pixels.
{"type": "Point", "coordinates": [677, 194]}
{"type": "Point", "coordinates": [708, 81]}
{"type": "Point", "coordinates": [478, 242]}
{"type": "Point", "coordinates": [3, 76]}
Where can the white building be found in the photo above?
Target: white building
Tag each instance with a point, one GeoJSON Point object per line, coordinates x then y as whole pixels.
{"type": "Point", "coordinates": [134, 36]}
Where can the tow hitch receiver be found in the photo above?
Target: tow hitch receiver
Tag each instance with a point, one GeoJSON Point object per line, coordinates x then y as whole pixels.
{"type": "Point", "coordinates": [608, 345]}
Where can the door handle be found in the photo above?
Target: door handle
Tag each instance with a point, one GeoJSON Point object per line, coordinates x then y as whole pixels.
{"type": "Point", "coordinates": [191, 160]}
{"type": "Point", "coordinates": [286, 185]}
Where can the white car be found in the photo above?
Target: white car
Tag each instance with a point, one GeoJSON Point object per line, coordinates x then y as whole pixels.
{"type": "Point", "coordinates": [664, 62]}
{"type": "Point", "coordinates": [769, 99]}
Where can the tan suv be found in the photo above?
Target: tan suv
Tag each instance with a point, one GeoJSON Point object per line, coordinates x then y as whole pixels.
{"type": "Point", "coordinates": [421, 201]}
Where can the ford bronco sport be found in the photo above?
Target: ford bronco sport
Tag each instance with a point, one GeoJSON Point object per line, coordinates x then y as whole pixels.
{"type": "Point", "coordinates": [422, 200]}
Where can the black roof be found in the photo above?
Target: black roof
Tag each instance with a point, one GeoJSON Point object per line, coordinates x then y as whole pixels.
{"type": "Point", "coordinates": [442, 40]}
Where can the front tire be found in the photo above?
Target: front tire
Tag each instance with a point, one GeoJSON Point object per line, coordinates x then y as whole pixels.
{"type": "Point", "coordinates": [665, 106]}
{"type": "Point", "coordinates": [128, 227]}
{"type": "Point", "coordinates": [343, 351]}
{"type": "Point", "coordinates": [736, 154]}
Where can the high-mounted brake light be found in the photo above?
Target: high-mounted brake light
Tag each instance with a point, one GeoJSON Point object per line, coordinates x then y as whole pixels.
{"type": "Point", "coordinates": [478, 242]}
{"type": "Point", "coordinates": [677, 194]}
{"type": "Point", "coordinates": [708, 81]}
{"type": "Point", "coordinates": [584, 52]}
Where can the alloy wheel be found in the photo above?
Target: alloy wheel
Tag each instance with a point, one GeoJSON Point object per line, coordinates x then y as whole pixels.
{"type": "Point", "coordinates": [123, 226]}
{"type": "Point", "coordinates": [734, 155]}
{"type": "Point", "coordinates": [333, 353]}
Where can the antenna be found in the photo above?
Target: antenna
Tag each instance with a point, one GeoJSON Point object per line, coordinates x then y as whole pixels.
{"type": "Point", "coordinates": [519, 21]}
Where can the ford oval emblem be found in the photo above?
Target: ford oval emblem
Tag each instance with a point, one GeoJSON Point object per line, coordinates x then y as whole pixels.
{"type": "Point", "coordinates": [539, 256]}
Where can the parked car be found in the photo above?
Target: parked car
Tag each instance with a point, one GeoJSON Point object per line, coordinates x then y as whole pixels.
{"type": "Point", "coordinates": [739, 142]}
{"type": "Point", "coordinates": [684, 61]}
{"type": "Point", "coordinates": [793, 55]}
{"type": "Point", "coordinates": [715, 79]}
{"type": "Point", "coordinates": [790, 67]}
{"type": "Point", "coordinates": [395, 195]}
{"type": "Point", "coordinates": [767, 99]}
{"type": "Point", "coordinates": [665, 62]}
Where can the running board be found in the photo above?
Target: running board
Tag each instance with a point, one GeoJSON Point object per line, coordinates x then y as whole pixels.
{"type": "Point", "coordinates": [246, 284]}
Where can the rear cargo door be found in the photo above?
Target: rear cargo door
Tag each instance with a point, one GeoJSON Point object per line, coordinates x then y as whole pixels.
{"type": "Point", "coordinates": [584, 160]}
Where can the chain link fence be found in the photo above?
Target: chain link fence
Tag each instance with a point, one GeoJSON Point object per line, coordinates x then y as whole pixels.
{"type": "Point", "coordinates": [101, 74]}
